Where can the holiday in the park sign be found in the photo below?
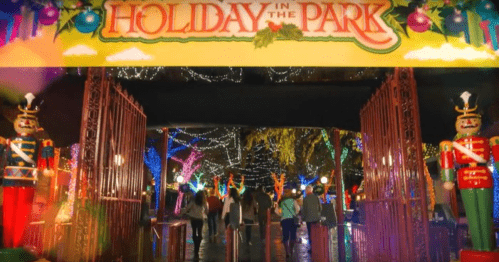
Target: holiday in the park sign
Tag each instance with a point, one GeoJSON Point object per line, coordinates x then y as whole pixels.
{"type": "Point", "coordinates": [418, 33]}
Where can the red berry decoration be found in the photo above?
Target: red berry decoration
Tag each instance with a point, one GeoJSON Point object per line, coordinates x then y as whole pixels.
{"type": "Point", "coordinates": [446, 2]}
{"type": "Point", "coordinates": [274, 28]}
{"type": "Point", "coordinates": [418, 21]}
{"type": "Point", "coordinates": [455, 22]}
{"type": "Point", "coordinates": [49, 15]}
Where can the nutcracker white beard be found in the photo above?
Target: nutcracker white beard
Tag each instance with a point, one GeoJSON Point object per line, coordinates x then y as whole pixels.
{"type": "Point", "coordinates": [468, 125]}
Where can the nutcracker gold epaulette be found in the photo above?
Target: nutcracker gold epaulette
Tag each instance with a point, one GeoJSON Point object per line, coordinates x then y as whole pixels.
{"type": "Point", "coordinates": [2, 141]}
{"type": "Point", "coordinates": [47, 142]}
{"type": "Point", "coordinates": [446, 145]}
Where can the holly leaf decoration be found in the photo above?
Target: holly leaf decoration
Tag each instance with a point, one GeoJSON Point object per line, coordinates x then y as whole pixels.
{"type": "Point", "coordinates": [68, 26]}
{"type": "Point", "coordinates": [401, 12]}
{"type": "Point", "coordinates": [267, 36]}
{"type": "Point", "coordinates": [437, 25]}
{"type": "Point", "coordinates": [445, 11]}
{"type": "Point", "coordinates": [291, 32]}
{"type": "Point", "coordinates": [66, 21]}
{"type": "Point", "coordinates": [99, 12]}
{"type": "Point", "coordinates": [263, 38]}
{"type": "Point", "coordinates": [396, 24]}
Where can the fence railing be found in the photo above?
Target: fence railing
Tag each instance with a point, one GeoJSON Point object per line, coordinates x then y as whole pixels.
{"type": "Point", "coordinates": [169, 240]}
{"type": "Point", "coordinates": [359, 243]}
{"type": "Point", "coordinates": [439, 239]}
{"type": "Point", "coordinates": [267, 237]}
{"type": "Point", "coordinates": [232, 244]}
{"type": "Point", "coordinates": [439, 244]}
{"type": "Point", "coordinates": [320, 246]}
{"type": "Point", "coordinates": [48, 240]}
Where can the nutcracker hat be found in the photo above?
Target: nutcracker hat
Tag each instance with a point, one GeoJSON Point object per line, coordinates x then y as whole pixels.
{"type": "Point", "coordinates": [28, 110]}
{"type": "Point", "coordinates": [469, 105]}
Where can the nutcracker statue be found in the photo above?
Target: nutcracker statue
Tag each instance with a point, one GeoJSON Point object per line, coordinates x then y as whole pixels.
{"type": "Point", "coordinates": [471, 153]}
{"type": "Point", "coordinates": [25, 157]}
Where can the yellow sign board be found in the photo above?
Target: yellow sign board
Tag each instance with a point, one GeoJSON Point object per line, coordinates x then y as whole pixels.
{"type": "Point", "coordinates": [333, 33]}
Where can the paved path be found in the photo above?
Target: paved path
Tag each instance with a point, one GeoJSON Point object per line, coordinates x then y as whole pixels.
{"type": "Point", "coordinates": [215, 251]}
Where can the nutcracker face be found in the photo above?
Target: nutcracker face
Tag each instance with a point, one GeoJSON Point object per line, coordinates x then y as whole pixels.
{"type": "Point", "coordinates": [468, 125]}
{"type": "Point", "coordinates": [25, 125]}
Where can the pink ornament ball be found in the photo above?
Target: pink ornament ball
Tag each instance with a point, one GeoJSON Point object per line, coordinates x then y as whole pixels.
{"type": "Point", "coordinates": [418, 22]}
{"type": "Point", "coordinates": [49, 15]}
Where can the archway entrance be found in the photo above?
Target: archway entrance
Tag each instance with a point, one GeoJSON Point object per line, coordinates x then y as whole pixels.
{"type": "Point", "coordinates": [402, 178]}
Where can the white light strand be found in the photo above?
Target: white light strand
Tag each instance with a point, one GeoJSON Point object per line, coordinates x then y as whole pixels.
{"type": "Point", "coordinates": [136, 73]}
{"type": "Point", "coordinates": [234, 75]}
{"type": "Point", "coordinates": [285, 75]}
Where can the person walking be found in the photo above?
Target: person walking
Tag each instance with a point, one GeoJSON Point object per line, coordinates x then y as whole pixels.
{"type": "Point", "coordinates": [233, 198]}
{"type": "Point", "coordinates": [196, 210]}
{"type": "Point", "coordinates": [288, 210]}
{"type": "Point", "coordinates": [248, 207]}
{"type": "Point", "coordinates": [214, 207]}
{"type": "Point", "coordinates": [264, 202]}
{"type": "Point", "coordinates": [311, 211]}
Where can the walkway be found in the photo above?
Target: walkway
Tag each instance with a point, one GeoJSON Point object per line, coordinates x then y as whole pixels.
{"type": "Point", "coordinates": [215, 251]}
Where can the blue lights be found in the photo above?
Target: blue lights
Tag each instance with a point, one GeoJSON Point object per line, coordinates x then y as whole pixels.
{"type": "Point", "coordinates": [153, 162]}
{"type": "Point", "coordinates": [306, 182]}
{"type": "Point", "coordinates": [495, 176]}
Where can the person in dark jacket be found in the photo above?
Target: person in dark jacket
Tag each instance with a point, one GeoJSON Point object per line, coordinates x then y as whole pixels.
{"type": "Point", "coordinates": [264, 202]}
{"type": "Point", "coordinates": [214, 207]}
{"type": "Point", "coordinates": [311, 211]}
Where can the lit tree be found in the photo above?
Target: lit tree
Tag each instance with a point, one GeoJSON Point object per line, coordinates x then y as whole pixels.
{"type": "Point", "coordinates": [187, 171]}
{"type": "Point", "coordinates": [172, 151]}
{"type": "Point", "coordinates": [196, 185]}
{"type": "Point", "coordinates": [278, 185]}
{"type": "Point", "coordinates": [153, 162]}
{"type": "Point", "coordinates": [152, 159]}
{"type": "Point", "coordinates": [305, 182]}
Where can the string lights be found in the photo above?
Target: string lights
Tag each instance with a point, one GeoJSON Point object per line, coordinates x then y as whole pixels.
{"type": "Point", "coordinates": [240, 188]}
{"type": "Point", "coordinates": [222, 152]}
{"type": "Point", "coordinates": [196, 185]}
{"type": "Point", "coordinates": [136, 73]}
{"type": "Point", "coordinates": [153, 162]}
{"type": "Point", "coordinates": [278, 185]}
{"type": "Point", "coordinates": [174, 150]}
{"type": "Point", "coordinates": [187, 170]}
{"type": "Point", "coordinates": [288, 75]}
{"type": "Point", "coordinates": [328, 185]}
{"type": "Point", "coordinates": [495, 175]}
{"type": "Point", "coordinates": [430, 151]}
{"type": "Point", "coordinates": [430, 188]}
{"type": "Point", "coordinates": [344, 151]}
{"type": "Point", "coordinates": [305, 182]}
{"type": "Point", "coordinates": [66, 211]}
{"type": "Point", "coordinates": [229, 74]}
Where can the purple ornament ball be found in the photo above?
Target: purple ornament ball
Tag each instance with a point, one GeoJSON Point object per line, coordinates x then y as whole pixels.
{"type": "Point", "coordinates": [49, 15]}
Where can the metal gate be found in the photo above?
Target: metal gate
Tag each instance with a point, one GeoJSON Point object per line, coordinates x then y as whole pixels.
{"type": "Point", "coordinates": [396, 208]}
{"type": "Point", "coordinates": [110, 172]}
